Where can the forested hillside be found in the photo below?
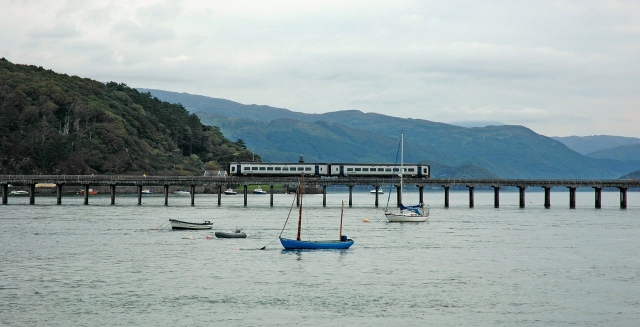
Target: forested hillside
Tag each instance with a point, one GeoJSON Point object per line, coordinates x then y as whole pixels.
{"type": "Point", "coordinates": [53, 123]}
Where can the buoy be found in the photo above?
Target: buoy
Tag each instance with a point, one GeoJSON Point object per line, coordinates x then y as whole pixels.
{"type": "Point", "coordinates": [188, 237]}
{"type": "Point", "coordinates": [208, 237]}
{"type": "Point", "coordinates": [365, 220]}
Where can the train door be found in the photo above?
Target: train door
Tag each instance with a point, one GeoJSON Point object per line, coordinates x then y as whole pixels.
{"type": "Point", "coordinates": [317, 170]}
{"type": "Point", "coordinates": [238, 169]}
{"type": "Point", "coordinates": [341, 170]}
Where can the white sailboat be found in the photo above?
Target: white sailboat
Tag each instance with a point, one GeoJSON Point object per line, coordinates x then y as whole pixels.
{"type": "Point", "coordinates": [416, 213]}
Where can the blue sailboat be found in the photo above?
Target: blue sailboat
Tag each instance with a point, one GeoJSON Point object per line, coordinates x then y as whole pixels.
{"type": "Point", "coordinates": [298, 244]}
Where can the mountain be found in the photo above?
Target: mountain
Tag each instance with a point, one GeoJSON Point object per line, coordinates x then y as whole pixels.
{"type": "Point", "coordinates": [593, 143]}
{"type": "Point", "coordinates": [623, 153]}
{"type": "Point", "coordinates": [53, 123]}
{"type": "Point", "coordinates": [506, 151]}
{"type": "Point", "coordinates": [632, 175]}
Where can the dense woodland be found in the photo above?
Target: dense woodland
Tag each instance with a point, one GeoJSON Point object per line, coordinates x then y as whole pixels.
{"type": "Point", "coordinates": [53, 123]}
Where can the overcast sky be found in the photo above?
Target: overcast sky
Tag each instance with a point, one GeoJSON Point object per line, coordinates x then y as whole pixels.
{"type": "Point", "coordinates": [558, 67]}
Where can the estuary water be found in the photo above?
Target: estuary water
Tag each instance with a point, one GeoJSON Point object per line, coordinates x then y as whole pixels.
{"type": "Point", "coordinates": [103, 265]}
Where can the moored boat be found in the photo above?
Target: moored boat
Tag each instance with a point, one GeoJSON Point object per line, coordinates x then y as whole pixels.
{"type": "Point", "coordinates": [179, 224]}
{"type": "Point", "coordinates": [181, 193]}
{"type": "Point", "coordinates": [91, 192]}
{"type": "Point", "coordinates": [18, 192]}
{"type": "Point", "coordinates": [147, 191]}
{"type": "Point", "coordinates": [230, 191]}
{"type": "Point", "coordinates": [298, 244]}
{"type": "Point", "coordinates": [259, 190]}
{"type": "Point", "coordinates": [236, 233]}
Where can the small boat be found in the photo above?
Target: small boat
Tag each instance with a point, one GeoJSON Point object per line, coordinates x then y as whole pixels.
{"type": "Point", "coordinates": [259, 190]}
{"type": "Point", "coordinates": [298, 244]}
{"type": "Point", "coordinates": [91, 192]}
{"type": "Point", "coordinates": [181, 193]}
{"type": "Point", "coordinates": [379, 191]}
{"type": "Point", "coordinates": [230, 191]}
{"type": "Point", "coordinates": [18, 192]}
{"type": "Point", "coordinates": [147, 191]}
{"type": "Point", "coordinates": [179, 224]}
{"type": "Point", "coordinates": [414, 213]}
{"type": "Point", "coordinates": [236, 233]}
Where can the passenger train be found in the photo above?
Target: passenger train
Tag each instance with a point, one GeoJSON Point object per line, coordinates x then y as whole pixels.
{"type": "Point", "coordinates": [325, 169]}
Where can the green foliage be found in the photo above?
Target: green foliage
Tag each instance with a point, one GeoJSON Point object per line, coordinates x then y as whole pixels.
{"type": "Point", "coordinates": [58, 124]}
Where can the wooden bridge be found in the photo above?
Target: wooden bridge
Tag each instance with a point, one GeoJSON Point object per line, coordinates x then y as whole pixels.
{"type": "Point", "coordinates": [220, 182]}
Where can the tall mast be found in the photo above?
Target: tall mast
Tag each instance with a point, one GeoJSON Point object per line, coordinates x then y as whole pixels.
{"type": "Point", "coordinates": [341, 213]}
{"type": "Point", "coordinates": [300, 211]}
{"type": "Point", "coordinates": [401, 161]}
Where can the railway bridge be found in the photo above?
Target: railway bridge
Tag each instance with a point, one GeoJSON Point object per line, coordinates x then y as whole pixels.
{"type": "Point", "coordinates": [220, 182]}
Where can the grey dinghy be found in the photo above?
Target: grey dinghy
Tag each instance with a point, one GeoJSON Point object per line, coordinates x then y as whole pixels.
{"type": "Point", "coordinates": [235, 234]}
{"type": "Point", "coordinates": [178, 224]}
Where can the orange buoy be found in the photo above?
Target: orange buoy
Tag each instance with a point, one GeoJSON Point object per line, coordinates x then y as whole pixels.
{"type": "Point", "coordinates": [365, 220]}
{"type": "Point", "coordinates": [208, 237]}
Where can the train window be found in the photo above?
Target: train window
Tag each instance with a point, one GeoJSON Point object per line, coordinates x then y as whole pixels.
{"type": "Point", "coordinates": [366, 169]}
{"type": "Point", "coordinates": [253, 168]}
{"type": "Point", "coordinates": [387, 169]}
{"type": "Point", "coordinates": [300, 168]}
{"type": "Point", "coordinates": [285, 168]}
{"type": "Point", "coordinates": [307, 168]}
{"type": "Point", "coordinates": [380, 169]}
{"type": "Point", "coordinates": [349, 169]}
{"type": "Point", "coordinates": [410, 169]}
{"type": "Point", "coordinates": [358, 169]}
{"type": "Point", "coordinates": [233, 168]}
{"type": "Point", "coordinates": [263, 168]}
{"type": "Point", "coordinates": [269, 168]}
{"type": "Point", "coordinates": [276, 168]}
{"type": "Point", "coordinates": [396, 169]}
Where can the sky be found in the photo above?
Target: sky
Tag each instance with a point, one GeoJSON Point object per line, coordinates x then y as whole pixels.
{"type": "Point", "coordinates": [559, 68]}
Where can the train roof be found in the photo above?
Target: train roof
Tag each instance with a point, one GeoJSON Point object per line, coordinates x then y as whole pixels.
{"type": "Point", "coordinates": [325, 163]}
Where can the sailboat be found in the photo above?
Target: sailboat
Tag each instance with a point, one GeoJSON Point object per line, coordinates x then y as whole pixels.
{"type": "Point", "coordinates": [415, 213]}
{"type": "Point", "coordinates": [298, 244]}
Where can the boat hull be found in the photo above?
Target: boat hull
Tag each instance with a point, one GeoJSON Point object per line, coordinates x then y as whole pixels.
{"type": "Point", "coordinates": [230, 235]}
{"type": "Point", "coordinates": [182, 225]}
{"type": "Point", "coordinates": [289, 244]}
{"type": "Point", "coordinates": [405, 218]}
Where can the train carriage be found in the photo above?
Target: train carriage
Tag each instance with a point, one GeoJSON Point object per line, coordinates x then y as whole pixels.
{"type": "Point", "coordinates": [278, 169]}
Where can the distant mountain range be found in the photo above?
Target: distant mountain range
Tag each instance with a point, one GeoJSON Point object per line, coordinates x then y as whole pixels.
{"type": "Point", "coordinates": [505, 151]}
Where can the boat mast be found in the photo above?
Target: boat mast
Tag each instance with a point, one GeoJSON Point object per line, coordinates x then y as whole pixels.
{"type": "Point", "coordinates": [401, 161]}
{"type": "Point", "coordinates": [341, 214]}
{"type": "Point", "coordinates": [300, 211]}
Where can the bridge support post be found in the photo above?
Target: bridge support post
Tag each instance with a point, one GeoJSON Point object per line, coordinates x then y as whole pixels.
{"type": "Point", "coordinates": [446, 196]}
{"type": "Point", "coordinates": [398, 196]}
{"type": "Point", "coordinates": [470, 196]}
{"type": "Point", "coordinates": [193, 195]}
{"type": "Point", "coordinates": [139, 194]}
{"type": "Point", "coordinates": [58, 194]}
{"type": "Point", "coordinates": [598, 191]}
{"type": "Point", "coordinates": [350, 195]}
{"type": "Point", "coordinates": [522, 201]}
{"type": "Point", "coordinates": [623, 197]}
{"type": "Point", "coordinates": [5, 193]}
{"type": "Point", "coordinates": [86, 194]}
{"type": "Point", "coordinates": [245, 190]}
{"type": "Point", "coordinates": [421, 190]}
{"type": "Point", "coordinates": [112, 189]}
{"type": "Point", "coordinates": [376, 188]}
{"type": "Point", "coordinates": [219, 195]}
{"type": "Point", "coordinates": [271, 195]}
{"type": "Point", "coordinates": [32, 193]}
{"type": "Point", "coordinates": [166, 195]}
{"type": "Point", "coordinates": [496, 196]}
{"type": "Point", "coordinates": [324, 195]}
{"type": "Point", "coordinates": [572, 197]}
{"type": "Point", "coordinates": [298, 196]}
{"type": "Point", "coordinates": [547, 197]}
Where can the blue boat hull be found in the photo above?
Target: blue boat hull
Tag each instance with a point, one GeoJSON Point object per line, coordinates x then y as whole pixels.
{"type": "Point", "coordinates": [312, 245]}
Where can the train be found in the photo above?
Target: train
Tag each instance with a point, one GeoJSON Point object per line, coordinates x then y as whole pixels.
{"type": "Point", "coordinates": [326, 169]}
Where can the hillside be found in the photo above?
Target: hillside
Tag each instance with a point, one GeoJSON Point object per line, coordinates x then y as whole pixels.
{"type": "Point", "coordinates": [623, 152]}
{"type": "Point", "coordinates": [593, 143]}
{"type": "Point", "coordinates": [505, 151]}
{"type": "Point", "coordinates": [53, 123]}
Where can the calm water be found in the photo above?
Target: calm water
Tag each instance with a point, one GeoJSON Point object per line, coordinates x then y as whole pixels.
{"type": "Point", "coordinates": [102, 265]}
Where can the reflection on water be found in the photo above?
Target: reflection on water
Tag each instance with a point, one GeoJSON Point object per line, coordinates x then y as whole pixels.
{"type": "Point", "coordinates": [77, 265]}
